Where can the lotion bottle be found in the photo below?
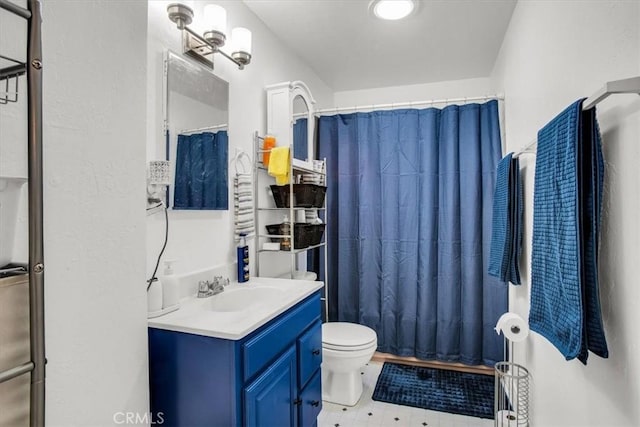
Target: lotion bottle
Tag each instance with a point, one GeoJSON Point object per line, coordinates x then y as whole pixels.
{"type": "Point", "coordinates": [243, 259]}
{"type": "Point", "coordinates": [170, 291]}
{"type": "Point", "coordinates": [154, 298]}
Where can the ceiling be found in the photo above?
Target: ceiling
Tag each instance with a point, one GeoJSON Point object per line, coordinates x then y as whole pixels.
{"type": "Point", "coordinates": [350, 49]}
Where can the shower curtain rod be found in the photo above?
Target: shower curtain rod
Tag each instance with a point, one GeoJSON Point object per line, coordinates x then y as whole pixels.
{"type": "Point", "coordinates": [216, 127]}
{"type": "Point", "coordinates": [410, 104]}
{"type": "Point", "coordinates": [624, 86]}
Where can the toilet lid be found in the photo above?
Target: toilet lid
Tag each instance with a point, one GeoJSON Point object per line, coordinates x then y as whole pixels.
{"type": "Point", "coordinates": [347, 336]}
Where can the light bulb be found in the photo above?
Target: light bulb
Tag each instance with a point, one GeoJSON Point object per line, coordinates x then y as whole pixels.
{"type": "Point", "coordinates": [241, 40]}
{"type": "Point", "coordinates": [393, 9]}
{"type": "Point", "coordinates": [215, 18]}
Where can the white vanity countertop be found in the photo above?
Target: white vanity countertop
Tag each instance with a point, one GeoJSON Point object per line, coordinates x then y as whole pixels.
{"type": "Point", "coordinates": [239, 310]}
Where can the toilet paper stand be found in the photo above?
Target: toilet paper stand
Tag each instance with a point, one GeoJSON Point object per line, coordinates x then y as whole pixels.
{"type": "Point", "coordinates": [511, 407]}
{"type": "Point", "coordinates": [512, 381]}
{"type": "Point", "coordinates": [508, 353]}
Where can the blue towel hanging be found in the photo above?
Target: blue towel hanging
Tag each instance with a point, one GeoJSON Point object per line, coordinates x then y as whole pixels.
{"type": "Point", "coordinates": [565, 305]}
{"type": "Point", "coordinates": [506, 234]}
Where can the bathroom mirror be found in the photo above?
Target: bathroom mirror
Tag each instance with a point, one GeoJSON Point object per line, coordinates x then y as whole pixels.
{"type": "Point", "coordinates": [196, 132]}
{"type": "Point", "coordinates": [300, 128]}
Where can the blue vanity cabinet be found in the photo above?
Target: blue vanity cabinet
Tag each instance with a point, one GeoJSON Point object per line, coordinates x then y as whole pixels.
{"type": "Point", "coordinates": [269, 378]}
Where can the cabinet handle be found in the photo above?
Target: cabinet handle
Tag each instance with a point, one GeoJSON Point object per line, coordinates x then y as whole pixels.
{"type": "Point", "coordinates": [314, 403]}
{"type": "Point", "coordinates": [297, 402]}
{"type": "Point", "coordinates": [315, 352]}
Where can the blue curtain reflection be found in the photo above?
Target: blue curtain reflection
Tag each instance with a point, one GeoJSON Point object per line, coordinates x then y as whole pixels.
{"type": "Point", "coordinates": [201, 180]}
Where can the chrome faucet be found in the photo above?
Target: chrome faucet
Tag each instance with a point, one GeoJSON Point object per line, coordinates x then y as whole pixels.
{"type": "Point", "coordinates": [207, 288]}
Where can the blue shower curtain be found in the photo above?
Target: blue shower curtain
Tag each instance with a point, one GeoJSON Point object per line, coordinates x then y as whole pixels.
{"type": "Point", "coordinates": [409, 209]}
{"type": "Point", "coordinates": [201, 171]}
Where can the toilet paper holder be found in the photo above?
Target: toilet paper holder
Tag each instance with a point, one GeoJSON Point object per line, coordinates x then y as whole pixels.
{"type": "Point", "coordinates": [512, 381]}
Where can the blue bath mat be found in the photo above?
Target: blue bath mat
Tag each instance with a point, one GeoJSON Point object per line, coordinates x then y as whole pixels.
{"type": "Point", "coordinates": [441, 390]}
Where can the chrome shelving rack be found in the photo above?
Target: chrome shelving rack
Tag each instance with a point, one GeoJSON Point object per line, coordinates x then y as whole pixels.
{"type": "Point", "coordinates": [33, 70]}
{"type": "Point", "coordinates": [291, 211]}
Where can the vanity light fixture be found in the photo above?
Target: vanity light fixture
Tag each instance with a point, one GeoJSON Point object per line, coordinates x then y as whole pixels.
{"type": "Point", "coordinates": [202, 47]}
{"type": "Point", "coordinates": [392, 9]}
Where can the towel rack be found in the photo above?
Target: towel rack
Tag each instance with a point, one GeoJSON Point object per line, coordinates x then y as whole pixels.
{"type": "Point", "coordinates": [631, 85]}
{"type": "Point", "coordinates": [624, 86]}
{"type": "Point", "coordinates": [237, 160]}
{"type": "Point", "coordinates": [33, 69]}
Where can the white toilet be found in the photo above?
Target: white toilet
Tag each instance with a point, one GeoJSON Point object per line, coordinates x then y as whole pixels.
{"type": "Point", "coordinates": [346, 348]}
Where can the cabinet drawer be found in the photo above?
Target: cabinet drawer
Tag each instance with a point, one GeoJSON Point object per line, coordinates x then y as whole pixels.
{"type": "Point", "coordinates": [267, 344]}
{"type": "Point", "coordinates": [311, 401]}
{"type": "Point", "coordinates": [309, 353]}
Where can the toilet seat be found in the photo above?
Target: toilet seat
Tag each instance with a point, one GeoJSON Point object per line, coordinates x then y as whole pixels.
{"type": "Point", "coordinates": [344, 336]}
{"type": "Point", "coordinates": [347, 349]}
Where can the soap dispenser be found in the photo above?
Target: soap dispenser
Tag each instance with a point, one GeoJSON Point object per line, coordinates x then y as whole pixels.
{"type": "Point", "coordinates": [170, 289]}
{"type": "Point", "coordinates": [154, 298]}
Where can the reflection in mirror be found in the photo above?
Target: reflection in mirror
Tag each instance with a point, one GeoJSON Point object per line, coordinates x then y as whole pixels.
{"type": "Point", "coordinates": [300, 128]}
{"type": "Point", "coordinates": [196, 116]}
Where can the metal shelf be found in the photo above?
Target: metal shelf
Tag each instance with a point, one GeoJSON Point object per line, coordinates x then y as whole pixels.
{"type": "Point", "coordinates": [9, 82]}
{"type": "Point", "coordinates": [9, 76]}
{"type": "Point", "coordinates": [294, 251]}
{"type": "Point", "coordinates": [298, 170]}
{"type": "Point", "coordinates": [295, 209]}
{"type": "Point", "coordinates": [294, 254]}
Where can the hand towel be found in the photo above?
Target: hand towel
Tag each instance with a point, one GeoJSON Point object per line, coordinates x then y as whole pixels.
{"type": "Point", "coordinates": [506, 233]}
{"type": "Point", "coordinates": [279, 164]}
{"type": "Point", "coordinates": [565, 305]}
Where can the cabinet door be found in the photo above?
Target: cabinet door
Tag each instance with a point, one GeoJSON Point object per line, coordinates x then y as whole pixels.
{"type": "Point", "coordinates": [311, 401]}
{"type": "Point", "coordinates": [270, 399]}
{"type": "Point", "coordinates": [309, 353]}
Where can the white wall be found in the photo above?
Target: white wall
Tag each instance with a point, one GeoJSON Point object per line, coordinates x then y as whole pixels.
{"type": "Point", "coordinates": [94, 201]}
{"type": "Point", "coordinates": [202, 239]}
{"type": "Point", "coordinates": [553, 54]}
{"type": "Point", "coordinates": [412, 93]}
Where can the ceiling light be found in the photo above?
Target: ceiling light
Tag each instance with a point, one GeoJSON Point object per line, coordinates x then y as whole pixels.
{"type": "Point", "coordinates": [392, 9]}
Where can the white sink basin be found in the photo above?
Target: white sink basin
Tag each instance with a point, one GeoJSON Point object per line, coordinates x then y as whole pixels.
{"type": "Point", "coordinates": [239, 310]}
{"type": "Point", "coordinates": [245, 299]}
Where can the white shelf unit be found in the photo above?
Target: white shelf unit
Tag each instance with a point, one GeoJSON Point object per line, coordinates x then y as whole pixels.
{"type": "Point", "coordinates": [260, 177]}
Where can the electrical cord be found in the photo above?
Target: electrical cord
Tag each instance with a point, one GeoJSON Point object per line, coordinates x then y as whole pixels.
{"type": "Point", "coordinates": [164, 246]}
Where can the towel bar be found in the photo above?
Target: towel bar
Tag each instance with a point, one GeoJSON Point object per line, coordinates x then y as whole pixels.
{"type": "Point", "coordinates": [631, 85]}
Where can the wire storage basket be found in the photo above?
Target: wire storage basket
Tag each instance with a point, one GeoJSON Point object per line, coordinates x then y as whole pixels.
{"type": "Point", "coordinates": [511, 395]}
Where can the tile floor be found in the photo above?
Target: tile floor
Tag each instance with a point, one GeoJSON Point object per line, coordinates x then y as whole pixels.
{"type": "Point", "coordinates": [369, 412]}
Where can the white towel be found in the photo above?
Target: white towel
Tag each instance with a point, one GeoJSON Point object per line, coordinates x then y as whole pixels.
{"type": "Point", "coordinates": [243, 202]}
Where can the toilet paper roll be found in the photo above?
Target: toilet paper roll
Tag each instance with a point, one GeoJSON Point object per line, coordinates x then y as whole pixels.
{"type": "Point", "coordinates": [513, 327]}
